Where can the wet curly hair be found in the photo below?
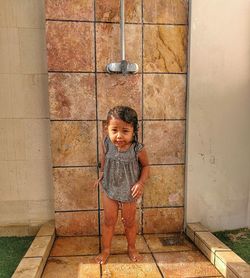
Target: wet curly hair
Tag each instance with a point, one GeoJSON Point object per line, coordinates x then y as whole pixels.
{"type": "Point", "coordinates": [126, 114]}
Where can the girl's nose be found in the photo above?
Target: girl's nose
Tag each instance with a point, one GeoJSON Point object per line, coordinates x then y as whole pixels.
{"type": "Point", "coordinates": [119, 135]}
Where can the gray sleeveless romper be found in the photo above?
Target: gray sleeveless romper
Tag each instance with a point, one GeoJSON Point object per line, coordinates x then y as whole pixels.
{"type": "Point", "coordinates": [121, 171]}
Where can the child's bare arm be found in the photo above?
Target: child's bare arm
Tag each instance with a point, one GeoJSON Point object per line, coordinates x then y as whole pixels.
{"type": "Point", "coordinates": [143, 158]}
{"type": "Point", "coordinates": [137, 188]}
{"type": "Point", "coordinates": [102, 160]}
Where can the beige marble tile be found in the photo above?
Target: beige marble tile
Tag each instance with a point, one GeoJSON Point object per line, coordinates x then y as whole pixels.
{"type": "Point", "coordinates": [226, 271]}
{"type": "Point", "coordinates": [166, 11]}
{"type": "Point", "coordinates": [197, 227]}
{"type": "Point", "coordinates": [108, 44]}
{"type": "Point", "coordinates": [69, 9]}
{"type": "Point", "coordinates": [165, 141]}
{"type": "Point", "coordinates": [156, 245]}
{"type": "Point", "coordinates": [121, 266]}
{"type": "Point", "coordinates": [165, 48]}
{"type": "Point", "coordinates": [75, 246]}
{"type": "Point", "coordinates": [29, 268]}
{"type": "Point", "coordinates": [82, 223]}
{"type": "Point", "coordinates": [162, 220]}
{"type": "Point", "coordinates": [192, 228]}
{"type": "Point", "coordinates": [209, 245]}
{"type": "Point", "coordinates": [65, 267]}
{"type": "Point", "coordinates": [74, 188]}
{"type": "Point", "coordinates": [211, 241]}
{"type": "Point", "coordinates": [205, 249]}
{"type": "Point", "coordinates": [190, 233]}
{"type": "Point", "coordinates": [72, 96]}
{"type": "Point", "coordinates": [73, 143]}
{"type": "Point", "coordinates": [165, 187]}
{"type": "Point", "coordinates": [70, 46]}
{"type": "Point", "coordinates": [109, 10]}
{"type": "Point", "coordinates": [185, 264]}
{"type": "Point", "coordinates": [119, 245]}
{"type": "Point", "coordinates": [164, 96]}
{"type": "Point", "coordinates": [47, 229]}
{"type": "Point", "coordinates": [228, 262]}
{"type": "Point", "coordinates": [40, 247]}
{"type": "Point", "coordinates": [116, 90]}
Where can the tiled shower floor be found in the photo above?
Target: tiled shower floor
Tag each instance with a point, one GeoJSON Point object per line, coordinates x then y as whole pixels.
{"type": "Point", "coordinates": [72, 257]}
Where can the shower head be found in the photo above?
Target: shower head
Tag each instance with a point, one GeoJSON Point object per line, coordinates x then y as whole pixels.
{"type": "Point", "coordinates": [123, 67]}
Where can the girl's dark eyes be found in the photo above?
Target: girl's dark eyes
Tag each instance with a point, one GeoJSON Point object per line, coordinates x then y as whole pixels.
{"type": "Point", "coordinates": [115, 130]}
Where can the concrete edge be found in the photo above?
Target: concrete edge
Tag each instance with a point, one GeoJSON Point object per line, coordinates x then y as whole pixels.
{"type": "Point", "coordinates": [33, 262]}
{"type": "Point", "coordinates": [225, 260]}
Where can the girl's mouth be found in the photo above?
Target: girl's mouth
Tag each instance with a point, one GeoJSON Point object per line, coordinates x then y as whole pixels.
{"type": "Point", "coordinates": [119, 142]}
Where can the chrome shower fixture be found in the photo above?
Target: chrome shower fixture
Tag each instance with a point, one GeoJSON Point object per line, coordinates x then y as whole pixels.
{"type": "Point", "coordinates": [124, 66]}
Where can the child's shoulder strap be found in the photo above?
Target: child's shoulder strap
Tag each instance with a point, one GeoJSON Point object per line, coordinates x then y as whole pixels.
{"type": "Point", "coordinates": [138, 147]}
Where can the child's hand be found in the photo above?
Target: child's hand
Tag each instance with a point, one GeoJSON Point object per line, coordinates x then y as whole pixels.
{"type": "Point", "coordinates": [137, 190]}
{"type": "Point", "coordinates": [97, 182]}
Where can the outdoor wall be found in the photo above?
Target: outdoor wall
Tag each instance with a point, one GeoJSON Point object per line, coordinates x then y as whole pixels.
{"type": "Point", "coordinates": [82, 38]}
{"type": "Point", "coordinates": [218, 133]}
{"type": "Point", "coordinates": [26, 191]}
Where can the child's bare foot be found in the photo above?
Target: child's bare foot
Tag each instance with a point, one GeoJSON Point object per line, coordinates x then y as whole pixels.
{"type": "Point", "coordinates": [134, 255]}
{"type": "Point", "coordinates": [102, 258]}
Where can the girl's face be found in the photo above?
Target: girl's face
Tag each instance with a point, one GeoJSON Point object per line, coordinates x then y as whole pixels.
{"type": "Point", "coordinates": [120, 133]}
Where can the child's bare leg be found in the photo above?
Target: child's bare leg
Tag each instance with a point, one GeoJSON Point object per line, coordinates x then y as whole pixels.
{"type": "Point", "coordinates": [129, 221]}
{"type": "Point", "coordinates": [110, 217]}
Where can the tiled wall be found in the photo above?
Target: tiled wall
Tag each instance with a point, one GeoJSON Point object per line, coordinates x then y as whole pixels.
{"type": "Point", "coordinates": [82, 38]}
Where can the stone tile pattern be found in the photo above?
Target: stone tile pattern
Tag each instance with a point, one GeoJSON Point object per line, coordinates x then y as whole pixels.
{"type": "Point", "coordinates": [74, 257]}
{"type": "Point", "coordinates": [81, 93]}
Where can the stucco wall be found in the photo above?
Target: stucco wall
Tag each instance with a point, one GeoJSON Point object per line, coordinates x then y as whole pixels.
{"type": "Point", "coordinates": [218, 133]}
{"type": "Point", "coordinates": [25, 164]}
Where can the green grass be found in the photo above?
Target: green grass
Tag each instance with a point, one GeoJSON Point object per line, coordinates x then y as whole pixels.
{"type": "Point", "coordinates": [12, 249]}
{"type": "Point", "coordinates": [237, 240]}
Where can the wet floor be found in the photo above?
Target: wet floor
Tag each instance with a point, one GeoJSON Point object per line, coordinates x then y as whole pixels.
{"type": "Point", "coordinates": [73, 257]}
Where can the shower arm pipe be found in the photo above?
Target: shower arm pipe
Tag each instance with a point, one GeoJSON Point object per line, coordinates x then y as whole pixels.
{"type": "Point", "coordinates": [122, 31]}
{"type": "Point", "coordinates": [123, 66]}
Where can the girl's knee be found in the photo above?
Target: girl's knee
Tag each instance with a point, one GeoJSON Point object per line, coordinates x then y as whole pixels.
{"type": "Point", "coordinates": [128, 222]}
{"type": "Point", "coordinates": [110, 221]}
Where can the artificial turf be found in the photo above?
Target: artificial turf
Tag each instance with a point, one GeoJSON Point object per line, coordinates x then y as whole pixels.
{"type": "Point", "coordinates": [12, 249]}
{"type": "Point", "coordinates": [237, 240]}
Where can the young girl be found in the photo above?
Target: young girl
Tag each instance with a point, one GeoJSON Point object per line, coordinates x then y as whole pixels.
{"type": "Point", "coordinates": [124, 170]}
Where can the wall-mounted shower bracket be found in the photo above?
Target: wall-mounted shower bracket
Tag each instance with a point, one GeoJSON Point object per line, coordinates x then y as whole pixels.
{"type": "Point", "coordinates": [124, 66]}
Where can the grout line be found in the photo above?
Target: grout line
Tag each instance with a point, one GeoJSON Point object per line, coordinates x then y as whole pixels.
{"type": "Point", "coordinates": [76, 255]}
{"type": "Point", "coordinates": [104, 72]}
{"type": "Point", "coordinates": [72, 120]}
{"type": "Point", "coordinates": [79, 210]}
{"type": "Point", "coordinates": [186, 122]}
{"type": "Point", "coordinates": [73, 166]}
{"type": "Point", "coordinates": [97, 138]}
{"type": "Point", "coordinates": [101, 209]}
{"type": "Point", "coordinates": [142, 106]}
{"type": "Point", "coordinates": [152, 252]}
{"type": "Point", "coordinates": [94, 166]}
{"type": "Point", "coordinates": [205, 276]}
{"type": "Point", "coordinates": [114, 22]}
{"type": "Point", "coordinates": [100, 120]}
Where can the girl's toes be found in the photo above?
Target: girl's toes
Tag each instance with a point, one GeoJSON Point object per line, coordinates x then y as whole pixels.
{"type": "Point", "coordinates": [134, 256]}
{"type": "Point", "coordinates": [102, 258]}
